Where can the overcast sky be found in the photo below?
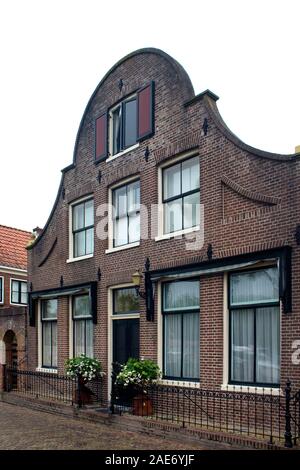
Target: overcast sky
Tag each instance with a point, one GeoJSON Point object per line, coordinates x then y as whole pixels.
{"type": "Point", "coordinates": [55, 52]}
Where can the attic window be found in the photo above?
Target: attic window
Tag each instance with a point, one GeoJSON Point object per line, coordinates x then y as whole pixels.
{"type": "Point", "coordinates": [123, 128]}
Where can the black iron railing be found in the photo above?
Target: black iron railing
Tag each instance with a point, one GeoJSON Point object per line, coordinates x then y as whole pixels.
{"type": "Point", "coordinates": [53, 386]}
{"type": "Point", "coordinates": [273, 416]}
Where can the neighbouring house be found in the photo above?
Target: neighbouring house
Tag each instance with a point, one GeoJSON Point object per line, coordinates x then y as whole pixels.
{"type": "Point", "coordinates": [169, 239]}
{"type": "Point", "coordinates": [13, 296]}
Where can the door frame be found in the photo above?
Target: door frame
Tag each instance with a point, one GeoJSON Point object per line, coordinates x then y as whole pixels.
{"type": "Point", "coordinates": [110, 320]}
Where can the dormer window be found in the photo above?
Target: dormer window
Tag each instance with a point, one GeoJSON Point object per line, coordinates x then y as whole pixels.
{"type": "Point", "coordinates": [123, 128]}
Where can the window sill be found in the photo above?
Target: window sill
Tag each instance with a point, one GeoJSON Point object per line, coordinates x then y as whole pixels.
{"type": "Point", "coordinates": [80, 258]}
{"type": "Point", "coordinates": [113, 157]}
{"type": "Point", "coordinates": [179, 233]}
{"type": "Point", "coordinates": [123, 247]}
{"type": "Point", "coordinates": [252, 389]}
{"type": "Point", "coordinates": [44, 369]}
{"type": "Point", "coordinates": [179, 383]}
{"type": "Point", "coordinates": [18, 305]}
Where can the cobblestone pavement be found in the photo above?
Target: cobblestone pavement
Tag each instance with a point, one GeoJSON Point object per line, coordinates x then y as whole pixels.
{"type": "Point", "coordinates": [23, 428]}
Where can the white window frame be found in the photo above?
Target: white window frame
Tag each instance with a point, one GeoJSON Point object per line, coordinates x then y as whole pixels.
{"type": "Point", "coordinates": [111, 318]}
{"type": "Point", "coordinates": [2, 290]}
{"type": "Point", "coordinates": [10, 291]}
{"type": "Point", "coordinates": [39, 368]}
{"type": "Point", "coordinates": [166, 236]}
{"type": "Point", "coordinates": [110, 131]}
{"type": "Point", "coordinates": [71, 328]}
{"type": "Point", "coordinates": [111, 247]}
{"type": "Point", "coordinates": [71, 258]}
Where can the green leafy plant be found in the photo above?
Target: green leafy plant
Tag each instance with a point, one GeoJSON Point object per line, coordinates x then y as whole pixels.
{"type": "Point", "coordinates": [138, 374]}
{"type": "Point", "coordinates": [84, 368]}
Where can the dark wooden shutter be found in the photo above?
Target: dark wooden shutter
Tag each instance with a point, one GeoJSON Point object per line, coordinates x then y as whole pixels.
{"type": "Point", "coordinates": [101, 137]}
{"type": "Point", "coordinates": [145, 112]}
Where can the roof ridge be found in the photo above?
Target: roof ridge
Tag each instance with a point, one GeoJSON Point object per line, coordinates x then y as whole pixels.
{"type": "Point", "coordinates": [14, 228]}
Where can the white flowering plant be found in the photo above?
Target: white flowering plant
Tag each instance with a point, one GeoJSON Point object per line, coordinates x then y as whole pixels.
{"type": "Point", "coordinates": [138, 374]}
{"type": "Point", "coordinates": [84, 367]}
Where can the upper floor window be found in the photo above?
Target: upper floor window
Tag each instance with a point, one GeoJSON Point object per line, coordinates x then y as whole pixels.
{"type": "Point", "coordinates": [255, 327]}
{"type": "Point", "coordinates": [1, 290]}
{"type": "Point", "coordinates": [123, 125]}
{"type": "Point", "coordinates": [126, 217]}
{"type": "Point", "coordinates": [83, 228]}
{"type": "Point", "coordinates": [18, 292]}
{"type": "Point", "coordinates": [181, 195]}
{"type": "Point", "coordinates": [49, 332]}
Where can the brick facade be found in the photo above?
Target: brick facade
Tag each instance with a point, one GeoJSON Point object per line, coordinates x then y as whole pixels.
{"type": "Point", "coordinates": [250, 198]}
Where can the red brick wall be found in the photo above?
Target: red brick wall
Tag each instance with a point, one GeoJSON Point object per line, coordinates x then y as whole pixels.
{"type": "Point", "coordinates": [234, 223]}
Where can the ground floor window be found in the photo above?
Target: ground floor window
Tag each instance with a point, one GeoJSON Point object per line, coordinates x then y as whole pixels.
{"type": "Point", "coordinates": [255, 327]}
{"type": "Point", "coordinates": [82, 326]}
{"type": "Point", "coordinates": [181, 329]}
{"type": "Point", "coordinates": [49, 333]}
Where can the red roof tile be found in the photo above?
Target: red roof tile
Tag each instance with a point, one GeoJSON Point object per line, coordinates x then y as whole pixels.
{"type": "Point", "coordinates": [13, 243]}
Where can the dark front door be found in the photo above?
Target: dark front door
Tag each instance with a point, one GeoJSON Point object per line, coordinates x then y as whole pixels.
{"type": "Point", "coordinates": [126, 344]}
{"type": "Point", "coordinates": [125, 340]}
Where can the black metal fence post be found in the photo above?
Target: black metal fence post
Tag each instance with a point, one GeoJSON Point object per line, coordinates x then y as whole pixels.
{"type": "Point", "coordinates": [79, 401]}
{"type": "Point", "coordinates": [288, 434]}
{"type": "Point", "coordinates": [113, 389]}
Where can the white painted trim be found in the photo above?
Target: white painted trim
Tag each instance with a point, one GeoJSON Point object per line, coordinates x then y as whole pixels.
{"type": "Point", "coordinates": [12, 270]}
{"type": "Point", "coordinates": [122, 247]}
{"type": "Point", "coordinates": [2, 290]}
{"type": "Point", "coordinates": [160, 226]}
{"type": "Point", "coordinates": [252, 389]}
{"type": "Point", "coordinates": [179, 233]}
{"type": "Point", "coordinates": [80, 258]}
{"type": "Point", "coordinates": [120, 154]}
{"type": "Point", "coordinates": [159, 327]}
{"type": "Point", "coordinates": [225, 330]}
{"type": "Point", "coordinates": [48, 371]}
{"type": "Point", "coordinates": [110, 319]}
{"type": "Point", "coordinates": [179, 383]}
{"type": "Point", "coordinates": [111, 248]}
{"type": "Point", "coordinates": [10, 291]}
{"type": "Point", "coordinates": [71, 258]}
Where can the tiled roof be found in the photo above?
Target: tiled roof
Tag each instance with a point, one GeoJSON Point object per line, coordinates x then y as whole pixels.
{"type": "Point", "coordinates": [13, 243]}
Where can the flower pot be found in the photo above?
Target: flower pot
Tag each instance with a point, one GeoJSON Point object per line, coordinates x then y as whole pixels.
{"type": "Point", "coordinates": [142, 406]}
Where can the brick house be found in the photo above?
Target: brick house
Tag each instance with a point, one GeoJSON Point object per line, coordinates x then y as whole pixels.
{"type": "Point", "coordinates": [218, 301]}
{"type": "Point", "coordinates": [13, 295]}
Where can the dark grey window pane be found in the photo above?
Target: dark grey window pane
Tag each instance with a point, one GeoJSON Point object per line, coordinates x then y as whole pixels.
{"type": "Point", "coordinates": [133, 196]}
{"type": "Point", "coordinates": [47, 346]}
{"type": "Point", "coordinates": [172, 342]}
{"type": "Point", "coordinates": [191, 210]}
{"type": "Point", "coordinates": [116, 117]}
{"type": "Point", "coordinates": [89, 213]}
{"type": "Point", "coordinates": [49, 309]}
{"type": "Point", "coordinates": [181, 295]}
{"type": "Point", "coordinates": [78, 216]}
{"type": "Point", "coordinates": [89, 241]}
{"type": "Point", "coordinates": [191, 351]}
{"type": "Point", "coordinates": [120, 201]}
{"type": "Point", "coordinates": [268, 345]}
{"type": "Point", "coordinates": [54, 344]}
{"type": "Point", "coordinates": [79, 244]}
{"type": "Point", "coordinates": [242, 345]}
{"type": "Point", "coordinates": [190, 174]}
{"type": "Point", "coordinates": [173, 216]}
{"type": "Point", "coordinates": [171, 181]}
{"type": "Point", "coordinates": [254, 287]}
{"type": "Point", "coordinates": [130, 123]}
{"type": "Point", "coordinates": [126, 301]}
{"type": "Point", "coordinates": [81, 306]}
{"type": "Point", "coordinates": [121, 231]}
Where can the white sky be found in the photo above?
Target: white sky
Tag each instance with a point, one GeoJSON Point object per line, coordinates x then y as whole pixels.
{"type": "Point", "coordinates": [55, 52]}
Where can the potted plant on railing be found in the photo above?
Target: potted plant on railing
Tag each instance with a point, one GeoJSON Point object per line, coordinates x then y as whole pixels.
{"type": "Point", "coordinates": [139, 374]}
{"type": "Point", "coordinates": [83, 369]}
